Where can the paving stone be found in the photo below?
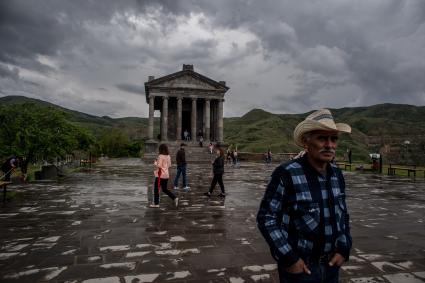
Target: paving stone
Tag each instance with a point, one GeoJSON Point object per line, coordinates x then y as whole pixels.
{"type": "Point", "coordinates": [95, 226]}
{"type": "Point", "coordinates": [402, 278]}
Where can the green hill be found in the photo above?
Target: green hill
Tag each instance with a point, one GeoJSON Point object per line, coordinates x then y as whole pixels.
{"type": "Point", "coordinates": [134, 127]}
{"type": "Point", "coordinates": [258, 130]}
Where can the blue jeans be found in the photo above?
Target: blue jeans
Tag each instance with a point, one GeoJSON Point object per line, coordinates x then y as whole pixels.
{"type": "Point", "coordinates": [181, 169]}
{"type": "Point", "coordinates": [320, 273]}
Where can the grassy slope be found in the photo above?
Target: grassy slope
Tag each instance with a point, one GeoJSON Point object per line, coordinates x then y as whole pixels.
{"type": "Point", "coordinates": [133, 126]}
{"type": "Point", "coordinates": [257, 130]}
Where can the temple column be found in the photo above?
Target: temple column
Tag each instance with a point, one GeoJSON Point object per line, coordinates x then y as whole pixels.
{"type": "Point", "coordinates": [151, 116]}
{"type": "Point", "coordinates": [179, 118]}
{"type": "Point", "coordinates": [220, 120]}
{"type": "Point", "coordinates": [164, 118]}
{"type": "Point", "coordinates": [193, 120]}
{"type": "Point", "coordinates": [207, 119]}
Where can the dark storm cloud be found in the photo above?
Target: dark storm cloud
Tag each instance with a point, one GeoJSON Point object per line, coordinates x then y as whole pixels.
{"type": "Point", "coordinates": [375, 45]}
{"type": "Point", "coordinates": [132, 88]}
{"type": "Point", "coordinates": [7, 72]}
{"type": "Point", "coordinates": [297, 55]}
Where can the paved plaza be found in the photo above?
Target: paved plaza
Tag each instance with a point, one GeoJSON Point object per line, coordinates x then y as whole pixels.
{"type": "Point", "coordinates": [95, 226]}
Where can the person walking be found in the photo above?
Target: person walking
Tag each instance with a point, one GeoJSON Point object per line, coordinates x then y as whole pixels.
{"type": "Point", "coordinates": [181, 168]}
{"type": "Point", "coordinates": [8, 167]}
{"type": "Point", "coordinates": [228, 157]}
{"type": "Point", "coordinates": [349, 155]}
{"type": "Point", "coordinates": [218, 171]}
{"type": "Point", "coordinates": [303, 215]}
{"type": "Point", "coordinates": [269, 156]}
{"type": "Point", "coordinates": [161, 172]}
{"type": "Point", "coordinates": [236, 157]}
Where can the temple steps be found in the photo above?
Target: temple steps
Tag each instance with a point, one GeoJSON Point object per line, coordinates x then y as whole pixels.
{"type": "Point", "coordinates": [194, 153]}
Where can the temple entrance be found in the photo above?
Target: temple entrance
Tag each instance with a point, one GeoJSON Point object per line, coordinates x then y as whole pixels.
{"type": "Point", "coordinates": [186, 125]}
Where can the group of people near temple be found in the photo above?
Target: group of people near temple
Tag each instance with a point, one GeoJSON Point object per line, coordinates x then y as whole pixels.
{"type": "Point", "coordinates": [163, 163]}
{"type": "Point", "coordinates": [303, 215]}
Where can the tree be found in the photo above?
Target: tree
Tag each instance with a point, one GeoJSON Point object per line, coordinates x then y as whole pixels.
{"type": "Point", "coordinates": [30, 130]}
{"type": "Point", "coordinates": [114, 143]}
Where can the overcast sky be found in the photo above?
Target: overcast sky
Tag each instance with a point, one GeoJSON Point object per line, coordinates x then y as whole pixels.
{"type": "Point", "coordinates": [282, 56]}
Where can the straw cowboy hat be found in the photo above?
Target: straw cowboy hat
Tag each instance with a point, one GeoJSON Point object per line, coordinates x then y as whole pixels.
{"type": "Point", "coordinates": [319, 120]}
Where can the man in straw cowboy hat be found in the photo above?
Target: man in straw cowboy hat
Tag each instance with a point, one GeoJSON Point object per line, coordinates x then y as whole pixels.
{"type": "Point", "coordinates": [303, 215]}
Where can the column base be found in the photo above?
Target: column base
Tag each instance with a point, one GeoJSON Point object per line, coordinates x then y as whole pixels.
{"type": "Point", "coordinates": [151, 146]}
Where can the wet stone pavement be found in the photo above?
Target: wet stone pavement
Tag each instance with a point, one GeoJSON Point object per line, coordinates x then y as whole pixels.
{"type": "Point", "coordinates": [95, 226]}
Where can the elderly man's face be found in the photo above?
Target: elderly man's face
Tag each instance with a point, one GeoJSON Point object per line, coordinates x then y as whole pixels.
{"type": "Point", "coordinates": [321, 145]}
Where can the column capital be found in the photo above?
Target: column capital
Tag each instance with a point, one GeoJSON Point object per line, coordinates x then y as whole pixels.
{"type": "Point", "coordinates": [179, 98]}
{"type": "Point", "coordinates": [164, 97]}
{"type": "Point", "coordinates": [194, 98]}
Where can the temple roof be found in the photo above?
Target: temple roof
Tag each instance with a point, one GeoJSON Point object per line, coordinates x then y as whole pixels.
{"type": "Point", "coordinates": [187, 79]}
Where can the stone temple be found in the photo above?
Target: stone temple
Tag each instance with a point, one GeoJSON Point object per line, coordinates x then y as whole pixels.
{"type": "Point", "coordinates": [188, 101]}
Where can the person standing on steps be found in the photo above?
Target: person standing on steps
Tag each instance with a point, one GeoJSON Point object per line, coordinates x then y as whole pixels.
{"type": "Point", "coordinates": [181, 168]}
{"type": "Point", "coordinates": [161, 172]}
{"type": "Point", "coordinates": [218, 171]}
{"type": "Point", "coordinates": [303, 215]}
{"type": "Point", "coordinates": [211, 147]}
{"type": "Point", "coordinates": [186, 135]}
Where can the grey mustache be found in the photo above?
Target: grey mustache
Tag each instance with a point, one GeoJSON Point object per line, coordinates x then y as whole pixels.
{"type": "Point", "coordinates": [327, 150]}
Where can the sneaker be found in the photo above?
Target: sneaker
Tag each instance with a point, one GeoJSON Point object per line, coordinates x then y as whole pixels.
{"type": "Point", "coordinates": [187, 188]}
{"type": "Point", "coordinates": [208, 194]}
{"type": "Point", "coordinates": [176, 188]}
{"type": "Point", "coordinates": [176, 202]}
{"type": "Point", "coordinates": [154, 205]}
{"type": "Point", "coordinates": [222, 195]}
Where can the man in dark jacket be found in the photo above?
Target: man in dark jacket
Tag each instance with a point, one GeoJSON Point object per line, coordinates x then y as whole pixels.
{"type": "Point", "coordinates": [181, 168]}
{"type": "Point", "coordinates": [303, 215]}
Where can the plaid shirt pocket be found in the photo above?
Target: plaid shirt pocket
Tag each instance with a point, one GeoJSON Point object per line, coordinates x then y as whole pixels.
{"type": "Point", "coordinates": [340, 213]}
{"type": "Point", "coordinates": [307, 217]}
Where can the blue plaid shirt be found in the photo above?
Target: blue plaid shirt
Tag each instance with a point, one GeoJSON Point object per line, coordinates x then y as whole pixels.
{"type": "Point", "coordinates": [304, 214]}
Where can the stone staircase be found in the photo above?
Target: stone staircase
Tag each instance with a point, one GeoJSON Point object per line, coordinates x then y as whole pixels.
{"type": "Point", "coordinates": [194, 153]}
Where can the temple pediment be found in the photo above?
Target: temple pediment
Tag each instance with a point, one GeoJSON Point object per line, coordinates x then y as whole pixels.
{"type": "Point", "coordinates": [186, 81]}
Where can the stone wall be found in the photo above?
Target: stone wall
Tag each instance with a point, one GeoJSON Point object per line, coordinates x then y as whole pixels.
{"type": "Point", "coordinates": [260, 157]}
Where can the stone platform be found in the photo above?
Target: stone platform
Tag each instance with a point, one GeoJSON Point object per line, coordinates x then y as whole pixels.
{"type": "Point", "coordinates": [96, 227]}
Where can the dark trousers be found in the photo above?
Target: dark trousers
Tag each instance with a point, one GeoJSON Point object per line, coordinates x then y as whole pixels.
{"type": "Point", "coordinates": [217, 178]}
{"type": "Point", "coordinates": [320, 273]}
{"type": "Point", "coordinates": [181, 169]}
{"type": "Point", "coordinates": [163, 183]}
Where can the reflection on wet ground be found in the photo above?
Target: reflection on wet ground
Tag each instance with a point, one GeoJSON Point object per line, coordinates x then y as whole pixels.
{"type": "Point", "coordinates": [96, 227]}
